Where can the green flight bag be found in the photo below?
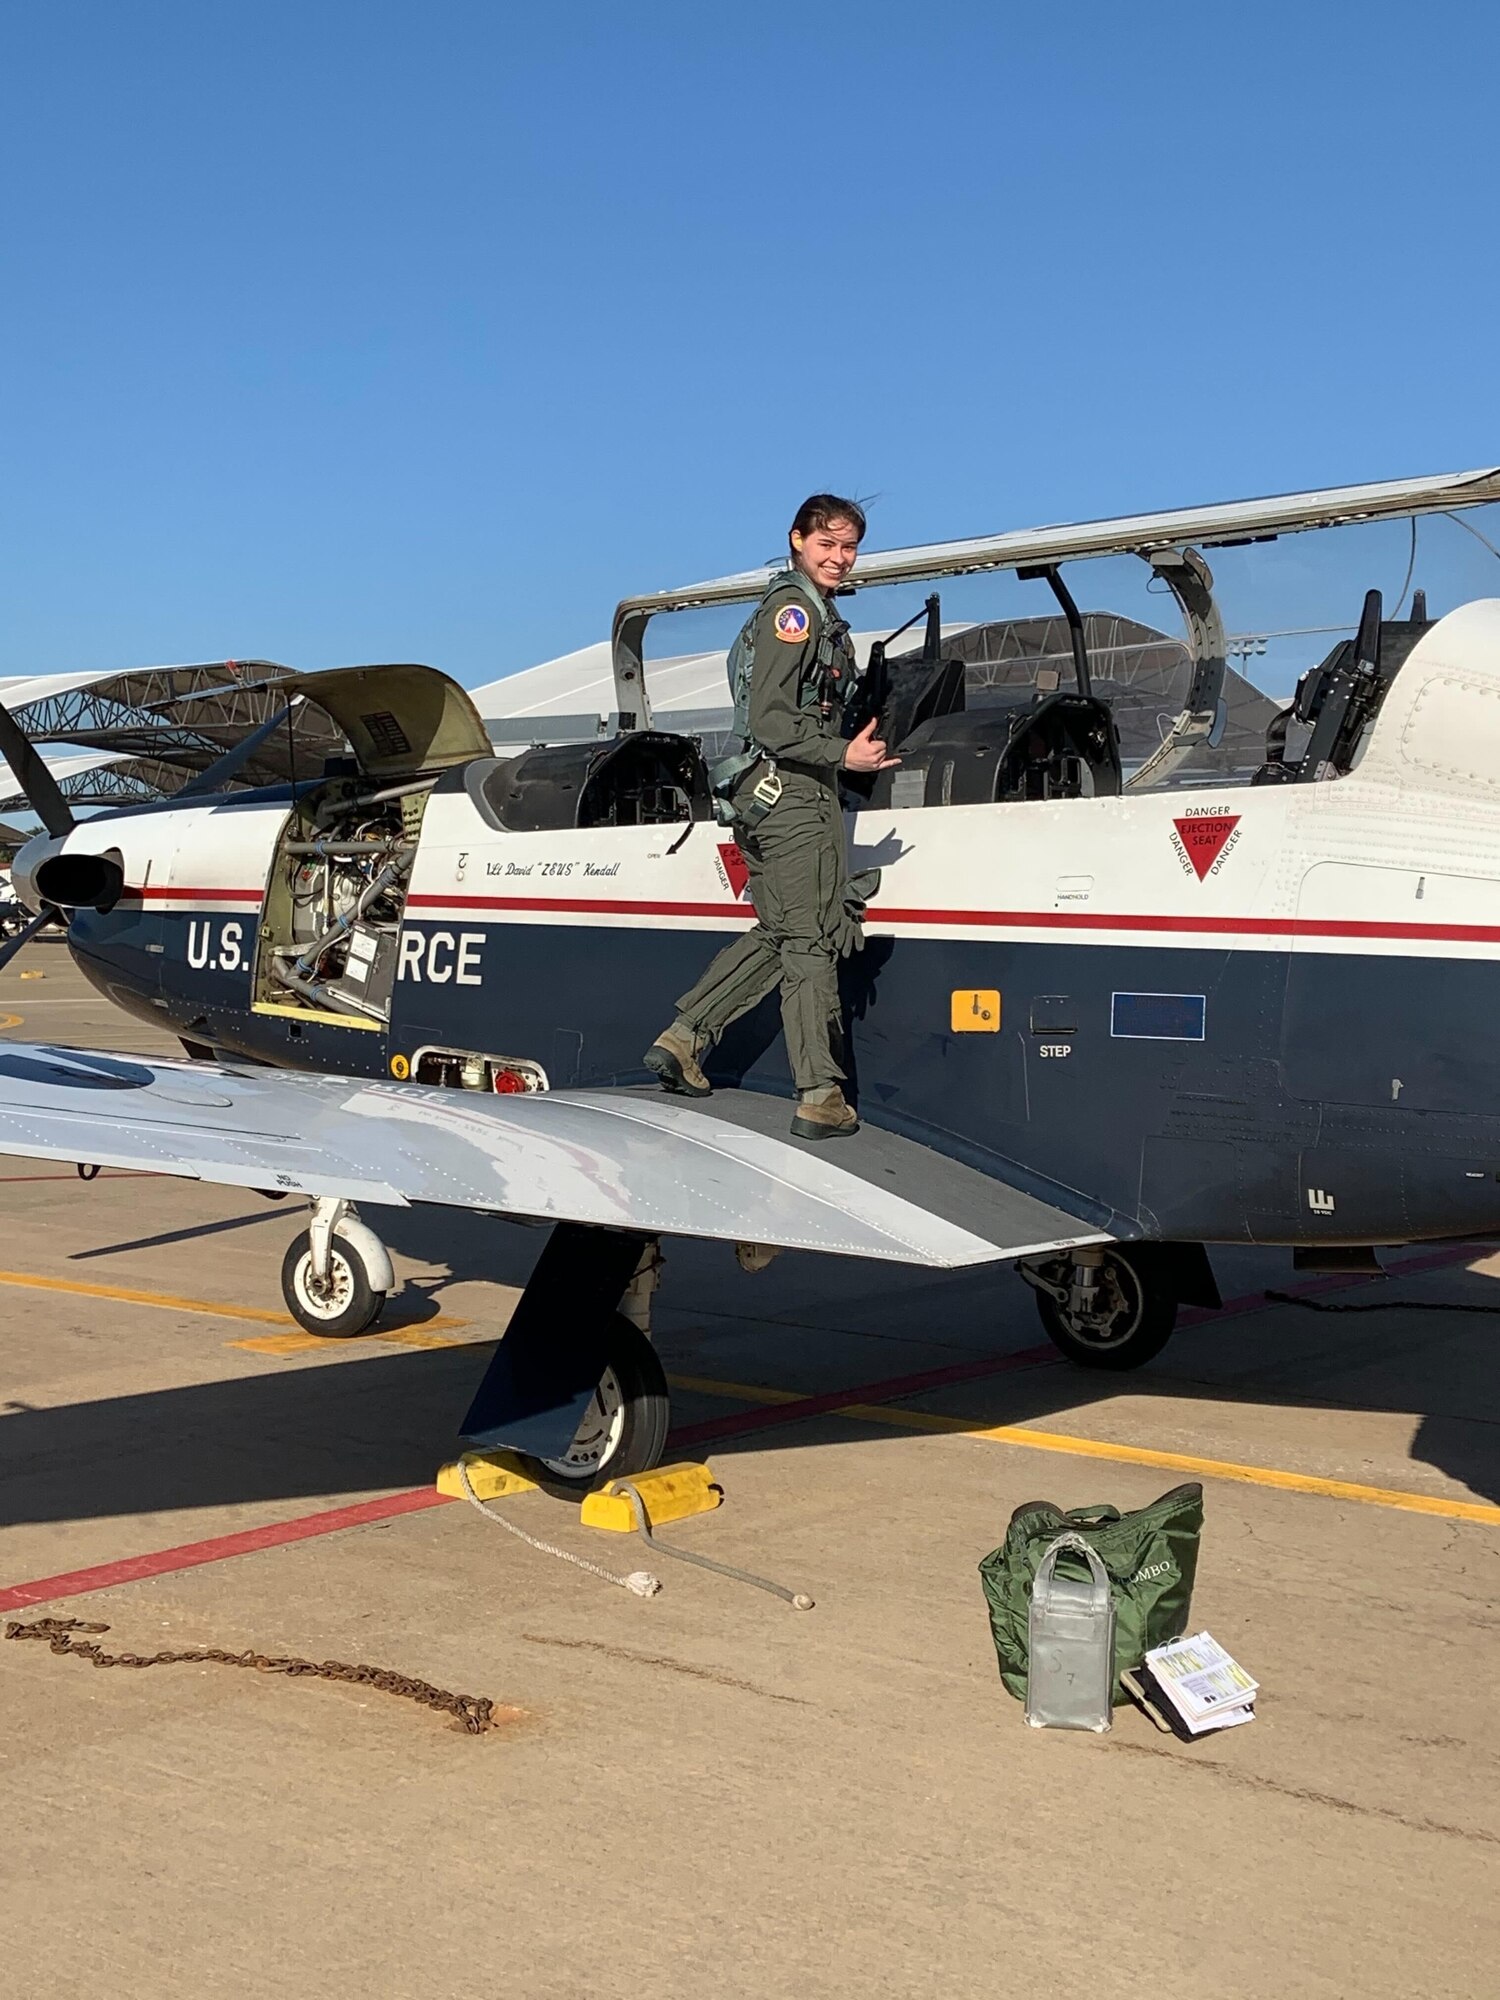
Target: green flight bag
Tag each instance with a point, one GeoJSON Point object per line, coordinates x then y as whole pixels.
{"type": "Point", "coordinates": [1151, 1557]}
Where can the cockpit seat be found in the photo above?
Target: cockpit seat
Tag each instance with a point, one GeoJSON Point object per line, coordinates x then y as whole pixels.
{"type": "Point", "coordinates": [646, 778]}
{"type": "Point", "coordinates": [1061, 746]}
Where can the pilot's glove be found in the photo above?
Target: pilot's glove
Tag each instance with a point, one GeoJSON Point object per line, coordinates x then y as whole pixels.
{"type": "Point", "coordinates": [858, 891]}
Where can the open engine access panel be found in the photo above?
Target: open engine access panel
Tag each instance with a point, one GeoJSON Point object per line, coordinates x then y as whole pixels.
{"type": "Point", "coordinates": [331, 920]}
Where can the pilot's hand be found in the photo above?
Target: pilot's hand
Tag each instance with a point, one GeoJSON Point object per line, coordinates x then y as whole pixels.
{"type": "Point", "coordinates": [866, 752]}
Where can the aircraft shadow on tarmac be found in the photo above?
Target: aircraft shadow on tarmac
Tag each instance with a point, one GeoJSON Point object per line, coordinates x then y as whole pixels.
{"type": "Point", "coordinates": [389, 1420]}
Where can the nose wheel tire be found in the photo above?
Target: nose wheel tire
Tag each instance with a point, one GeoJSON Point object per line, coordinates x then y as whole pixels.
{"type": "Point", "coordinates": [344, 1305]}
{"type": "Point", "coordinates": [1130, 1323]}
{"type": "Point", "coordinates": [624, 1428]}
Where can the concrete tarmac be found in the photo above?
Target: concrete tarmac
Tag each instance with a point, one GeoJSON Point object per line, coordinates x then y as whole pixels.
{"type": "Point", "coordinates": [706, 1792]}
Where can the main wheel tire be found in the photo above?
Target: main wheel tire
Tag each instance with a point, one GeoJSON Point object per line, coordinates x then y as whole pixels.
{"type": "Point", "coordinates": [348, 1305]}
{"type": "Point", "coordinates": [1138, 1330]}
{"type": "Point", "coordinates": [624, 1428]}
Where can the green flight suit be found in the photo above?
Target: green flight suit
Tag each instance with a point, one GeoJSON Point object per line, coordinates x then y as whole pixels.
{"type": "Point", "coordinates": [796, 853]}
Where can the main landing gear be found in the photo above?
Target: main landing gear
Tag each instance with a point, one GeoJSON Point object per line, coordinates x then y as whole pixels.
{"type": "Point", "coordinates": [624, 1428]}
{"type": "Point", "coordinates": [575, 1386]}
{"type": "Point", "coordinates": [1113, 1305]}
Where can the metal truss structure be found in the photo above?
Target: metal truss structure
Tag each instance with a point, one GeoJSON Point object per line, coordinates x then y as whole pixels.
{"type": "Point", "coordinates": [166, 725]}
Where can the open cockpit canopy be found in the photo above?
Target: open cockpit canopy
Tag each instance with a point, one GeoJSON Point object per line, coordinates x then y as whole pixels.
{"type": "Point", "coordinates": [1163, 555]}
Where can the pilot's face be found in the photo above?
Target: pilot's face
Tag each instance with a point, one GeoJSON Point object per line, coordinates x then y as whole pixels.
{"type": "Point", "coordinates": [827, 554]}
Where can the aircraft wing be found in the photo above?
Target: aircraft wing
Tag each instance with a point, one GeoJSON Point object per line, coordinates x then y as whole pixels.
{"type": "Point", "coordinates": [614, 1158]}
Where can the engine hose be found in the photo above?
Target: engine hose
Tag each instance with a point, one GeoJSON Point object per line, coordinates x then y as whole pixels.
{"type": "Point", "coordinates": [392, 873]}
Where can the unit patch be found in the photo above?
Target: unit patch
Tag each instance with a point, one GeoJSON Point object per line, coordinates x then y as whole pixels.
{"type": "Point", "coordinates": [1205, 840]}
{"type": "Point", "coordinates": [791, 624]}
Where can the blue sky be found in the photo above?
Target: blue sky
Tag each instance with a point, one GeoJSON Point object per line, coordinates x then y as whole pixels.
{"type": "Point", "coordinates": [336, 331]}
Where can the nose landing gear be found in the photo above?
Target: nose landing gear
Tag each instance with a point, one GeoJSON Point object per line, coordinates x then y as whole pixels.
{"type": "Point", "coordinates": [335, 1279]}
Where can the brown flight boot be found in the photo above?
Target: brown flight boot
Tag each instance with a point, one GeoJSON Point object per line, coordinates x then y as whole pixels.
{"type": "Point", "coordinates": [673, 1060]}
{"type": "Point", "coordinates": [823, 1114]}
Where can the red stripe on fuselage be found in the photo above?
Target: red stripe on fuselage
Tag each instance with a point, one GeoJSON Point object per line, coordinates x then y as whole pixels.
{"type": "Point", "coordinates": [1063, 920]}
{"type": "Point", "coordinates": [1055, 920]}
{"type": "Point", "coordinates": [189, 894]}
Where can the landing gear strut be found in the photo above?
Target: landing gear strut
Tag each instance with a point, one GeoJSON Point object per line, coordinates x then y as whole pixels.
{"type": "Point", "coordinates": [335, 1279]}
{"type": "Point", "coordinates": [1102, 1307]}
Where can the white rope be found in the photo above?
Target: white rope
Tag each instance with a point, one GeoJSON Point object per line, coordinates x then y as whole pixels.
{"type": "Point", "coordinates": [639, 1581]}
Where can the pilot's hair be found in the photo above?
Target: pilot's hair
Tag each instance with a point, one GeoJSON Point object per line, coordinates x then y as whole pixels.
{"type": "Point", "coordinates": [821, 510]}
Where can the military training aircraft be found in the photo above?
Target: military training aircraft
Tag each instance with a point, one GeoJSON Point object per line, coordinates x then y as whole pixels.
{"type": "Point", "coordinates": [1109, 1010]}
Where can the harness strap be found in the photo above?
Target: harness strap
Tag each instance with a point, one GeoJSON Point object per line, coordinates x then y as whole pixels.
{"type": "Point", "coordinates": [728, 771]}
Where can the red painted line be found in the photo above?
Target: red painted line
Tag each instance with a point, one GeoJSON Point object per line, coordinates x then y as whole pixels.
{"type": "Point", "coordinates": [1336, 1281]}
{"type": "Point", "coordinates": [1293, 927]}
{"type": "Point", "coordinates": [1067, 920]}
{"type": "Point", "coordinates": [871, 1392]}
{"type": "Point", "coordinates": [1030, 1357]}
{"type": "Point", "coordinates": [278, 1534]}
{"type": "Point", "coordinates": [172, 893]}
{"type": "Point", "coordinates": [189, 1555]}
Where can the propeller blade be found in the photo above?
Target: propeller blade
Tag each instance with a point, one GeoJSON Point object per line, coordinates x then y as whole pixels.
{"type": "Point", "coordinates": [11, 946]}
{"type": "Point", "coordinates": [32, 775]}
{"type": "Point", "coordinates": [233, 761]}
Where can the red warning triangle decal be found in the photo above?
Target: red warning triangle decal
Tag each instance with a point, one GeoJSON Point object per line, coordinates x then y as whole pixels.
{"type": "Point", "coordinates": [1202, 838]}
{"type": "Point", "coordinates": [735, 867]}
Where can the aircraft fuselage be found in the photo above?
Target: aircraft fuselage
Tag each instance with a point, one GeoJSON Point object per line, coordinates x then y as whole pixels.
{"type": "Point", "coordinates": [1237, 1014]}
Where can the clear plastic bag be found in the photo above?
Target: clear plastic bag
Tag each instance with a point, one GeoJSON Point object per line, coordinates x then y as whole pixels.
{"type": "Point", "coordinates": [1071, 1643]}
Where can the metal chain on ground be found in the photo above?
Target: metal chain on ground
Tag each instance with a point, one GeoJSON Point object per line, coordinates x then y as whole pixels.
{"type": "Point", "coordinates": [476, 1713]}
{"type": "Point", "coordinates": [1380, 1305]}
{"type": "Point", "coordinates": [640, 1581]}
{"type": "Point", "coordinates": [798, 1599]}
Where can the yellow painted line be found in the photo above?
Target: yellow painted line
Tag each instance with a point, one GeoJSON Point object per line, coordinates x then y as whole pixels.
{"type": "Point", "coordinates": [11, 1020]}
{"type": "Point", "coordinates": [426, 1335]}
{"type": "Point", "coordinates": [314, 1014]}
{"type": "Point", "coordinates": [1116, 1454]}
{"type": "Point", "coordinates": [738, 1392]}
{"type": "Point", "coordinates": [282, 1343]}
{"type": "Point", "coordinates": [287, 1343]}
{"type": "Point", "coordinates": [303, 1342]}
{"type": "Point", "coordinates": [1177, 1461]}
{"type": "Point", "coordinates": [164, 1301]}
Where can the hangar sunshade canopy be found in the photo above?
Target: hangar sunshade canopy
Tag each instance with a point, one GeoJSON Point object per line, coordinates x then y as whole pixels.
{"type": "Point", "coordinates": [116, 739]}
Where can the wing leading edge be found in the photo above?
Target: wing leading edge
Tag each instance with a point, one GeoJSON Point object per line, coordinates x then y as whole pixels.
{"type": "Point", "coordinates": [615, 1159]}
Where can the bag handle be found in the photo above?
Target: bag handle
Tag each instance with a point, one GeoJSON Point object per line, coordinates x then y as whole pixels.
{"type": "Point", "coordinates": [1093, 1516]}
{"type": "Point", "coordinates": [1074, 1545]}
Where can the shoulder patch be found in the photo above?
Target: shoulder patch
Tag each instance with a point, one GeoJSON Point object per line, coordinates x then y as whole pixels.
{"type": "Point", "coordinates": [791, 624]}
